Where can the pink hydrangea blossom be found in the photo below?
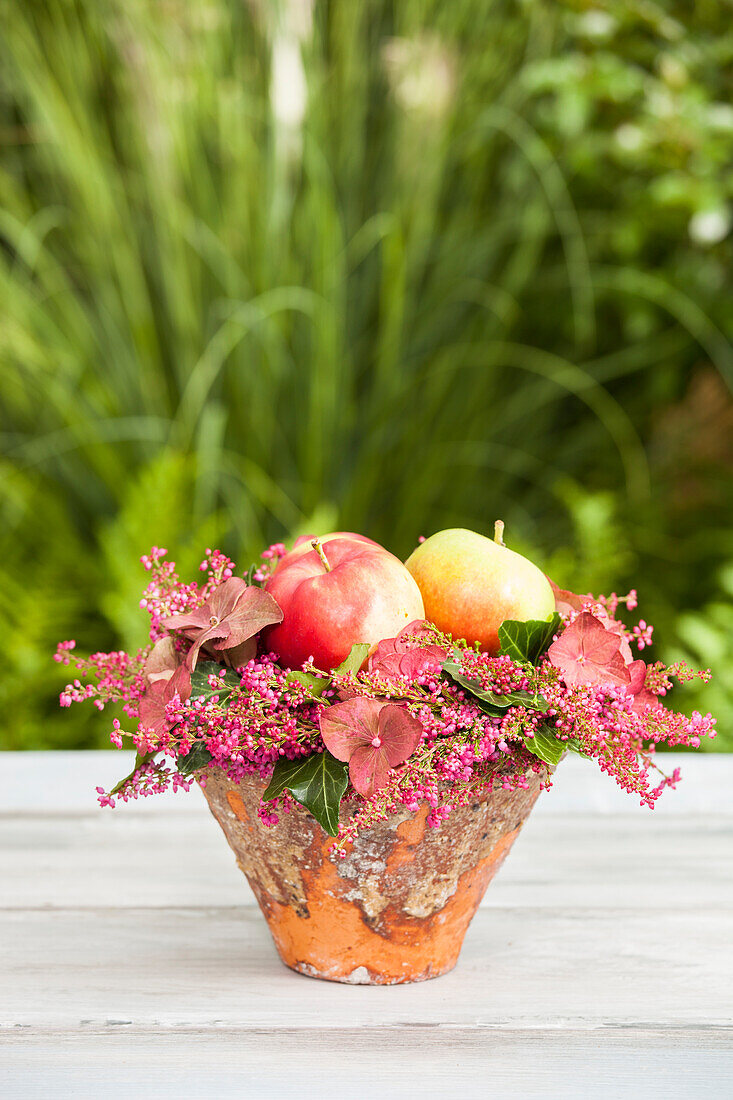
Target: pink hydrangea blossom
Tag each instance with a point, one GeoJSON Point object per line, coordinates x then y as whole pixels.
{"type": "Point", "coordinates": [373, 737]}
{"type": "Point", "coordinates": [410, 654]}
{"type": "Point", "coordinates": [162, 661]}
{"type": "Point", "coordinates": [227, 621]}
{"type": "Point", "coordinates": [154, 703]}
{"type": "Point", "coordinates": [588, 653]}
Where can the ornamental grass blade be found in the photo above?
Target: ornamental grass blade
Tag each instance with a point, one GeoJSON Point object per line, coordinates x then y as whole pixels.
{"type": "Point", "coordinates": [317, 782]}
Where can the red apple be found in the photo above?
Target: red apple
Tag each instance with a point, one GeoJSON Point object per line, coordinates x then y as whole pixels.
{"type": "Point", "coordinates": [349, 590]}
{"type": "Point", "coordinates": [304, 544]}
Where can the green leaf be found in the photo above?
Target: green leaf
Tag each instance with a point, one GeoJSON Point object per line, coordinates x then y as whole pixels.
{"type": "Point", "coordinates": [574, 746]}
{"type": "Point", "coordinates": [546, 746]}
{"type": "Point", "coordinates": [140, 759]}
{"type": "Point", "coordinates": [196, 758]}
{"type": "Point", "coordinates": [527, 641]}
{"type": "Point", "coordinates": [315, 685]}
{"type": "Point", "coordinates": [355, 660]}
{"type": "Point", "coordinates": [200, 687]}
{"type": "Point", "coordinates": [487, 700]}
{"type": "Point", "coordinates": [318, 782]}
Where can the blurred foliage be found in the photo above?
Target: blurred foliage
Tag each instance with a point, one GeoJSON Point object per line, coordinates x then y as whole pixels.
{"type": "Point", "coordinates": [391, 266]}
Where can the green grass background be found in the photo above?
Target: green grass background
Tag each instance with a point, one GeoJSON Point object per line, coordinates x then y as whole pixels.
{"type": "Point", "coordinates": [387, 265]}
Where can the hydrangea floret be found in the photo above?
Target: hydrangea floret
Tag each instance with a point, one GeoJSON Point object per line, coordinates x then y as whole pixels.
{"type": "Point", "coordinates": [424, 718]}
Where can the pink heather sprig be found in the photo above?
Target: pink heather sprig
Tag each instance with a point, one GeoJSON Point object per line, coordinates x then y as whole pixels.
{"type": "Point", "coordinates": [150, 778]}
{"type": "Point", "coordinates": [500, 675]}
{"type": "Point", "coordinates": [681, 672]}
{"type": "Point", "coordinates": [643, 634]}
{"type": "Point", "coordinates": [117, 678]}
{"type": "Point", "coordinates": [63, 651]}
{"type": "Point", "coordinates": [603, 723]}
{"type": "Point", "coordinates": [167, 595]}
{"type": "Point", "coordinates": [219, 568]}
{"type": "Point", "coordinates": [270, 558]}
{"type": "Point", "coordinates": [611, 602]}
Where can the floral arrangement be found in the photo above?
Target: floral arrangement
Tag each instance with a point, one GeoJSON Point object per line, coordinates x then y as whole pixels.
{"type": "Point", "coordinates": [419, 717]}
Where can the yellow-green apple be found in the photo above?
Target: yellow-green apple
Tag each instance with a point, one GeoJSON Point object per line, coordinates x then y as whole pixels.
{"type": "Point", "coordinates": [470, 584]}
{"type": "Point", "coordinates": [338, 593]}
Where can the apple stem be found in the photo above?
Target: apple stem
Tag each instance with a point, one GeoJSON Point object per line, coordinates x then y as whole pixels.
{"type": "Point", "coordinates": [499, 532]}
{"type": "Point", "coordinates": [318, 547]}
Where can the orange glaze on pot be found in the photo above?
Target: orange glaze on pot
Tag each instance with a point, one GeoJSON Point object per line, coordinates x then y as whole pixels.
{"type": "Point", "coordinates": [396, 908]}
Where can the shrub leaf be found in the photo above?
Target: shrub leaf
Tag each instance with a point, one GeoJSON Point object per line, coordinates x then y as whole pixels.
{"type": "Point", "coordinates": [317, 782]}
{"type": "Point", "coordinates": [487, 700]}
{"type": "Point", "coordinates": [526, 642]}
{"type": "Point", "coordinates": [546, 746]}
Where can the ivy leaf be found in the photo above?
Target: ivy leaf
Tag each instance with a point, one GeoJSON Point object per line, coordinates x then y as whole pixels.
{"type": "Point", "coordinates": [546, 746]}
{"type": "Point", "coordinates": [487, 700]}
{"type": "Point", "coordinates": [140, 759]}
{"type": "Point", "coordinates": [202, 689]}
{"type": "Point", "coordinates": [573, 745]}
{"type": "Point", "coordinates": [196, 758]}
{"type": "Point", "coordinates": [526, 642]}
{"type": "Point", "coordinates": [317, 782]}
{"type": "Point", "coordinates": [355, 660]}
{"type": "Point", "coordinates": [314, 685]}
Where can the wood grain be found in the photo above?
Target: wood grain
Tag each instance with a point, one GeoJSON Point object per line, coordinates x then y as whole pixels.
{"type": "Point", "coordinates": [386, 1063]}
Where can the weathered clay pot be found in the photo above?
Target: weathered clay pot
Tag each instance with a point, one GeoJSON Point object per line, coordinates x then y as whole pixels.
{"type": "Point", "coordinates": [396, 908]}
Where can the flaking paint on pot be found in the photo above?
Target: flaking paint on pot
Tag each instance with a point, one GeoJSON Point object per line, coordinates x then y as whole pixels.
{"type": "Point", "coordinates": [397, 908]}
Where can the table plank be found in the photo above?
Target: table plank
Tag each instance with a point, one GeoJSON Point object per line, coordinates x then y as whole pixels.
{"type": "Point", "coordinates": [315, 1064]}
{"type": "Point", "coordinates": [203, 967]}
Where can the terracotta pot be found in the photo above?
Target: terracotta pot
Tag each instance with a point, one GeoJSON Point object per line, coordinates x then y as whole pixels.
{"type": "Point", "coordinates": [396, 908]}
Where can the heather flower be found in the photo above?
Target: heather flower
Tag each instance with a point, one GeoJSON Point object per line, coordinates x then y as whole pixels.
{"type": "Point", "coordinates": [227, 621]}
{"type": "Point", "coordinates": [372, 736]}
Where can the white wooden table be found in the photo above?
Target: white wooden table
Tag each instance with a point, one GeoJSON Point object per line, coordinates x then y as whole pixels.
{"type": "Point", "coordinates": [135, 963]}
